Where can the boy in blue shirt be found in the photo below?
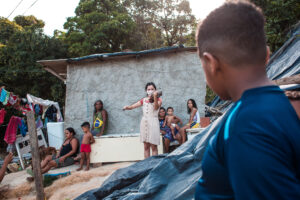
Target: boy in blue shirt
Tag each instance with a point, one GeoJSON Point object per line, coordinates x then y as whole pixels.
{"type": "Point", "coordinates": [255, 154]}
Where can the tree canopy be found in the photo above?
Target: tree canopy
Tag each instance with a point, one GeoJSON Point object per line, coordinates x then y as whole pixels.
{"type": "Point", "coordinates": [110, 26]}
{"type": "Point", "coordinates": [280, 15]}
{"type": "Point", "coordinates": [22, 47]}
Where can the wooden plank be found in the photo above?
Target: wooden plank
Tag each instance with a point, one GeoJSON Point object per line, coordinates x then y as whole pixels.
{"type": "Point", "coordinates": [37, 172]}
{"type": "Point", "coordinates": [288, 80]}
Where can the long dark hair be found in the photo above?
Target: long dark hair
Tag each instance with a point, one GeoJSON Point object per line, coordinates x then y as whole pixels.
{"type": "Point", "coordinates": [71, 130]}
{"type": "Point", "coordinates": [194, 105]}
{"type": "Point", "coordinates": [150, 83]}
{"type": "Point", "coordinates": [98, 101]}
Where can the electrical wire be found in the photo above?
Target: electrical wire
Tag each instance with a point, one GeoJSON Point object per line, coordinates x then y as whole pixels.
{"type": "Point", "coordinates": [30, 7]}
{"type": "Point", "coordinates": [14, 9]}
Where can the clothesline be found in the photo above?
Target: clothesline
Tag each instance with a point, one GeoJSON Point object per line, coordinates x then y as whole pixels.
{"type": "Point", "coordinates": [44, 109]}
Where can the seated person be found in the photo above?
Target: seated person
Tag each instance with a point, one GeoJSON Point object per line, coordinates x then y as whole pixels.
{"type": "Point", "coordinates": [166, 131]}
{"type": "Point", "coordinates": [172, 121]}
{"type": "Point", "coordinates": [194, 121]}
{"type": "Point", "coordinates": [66, 154]}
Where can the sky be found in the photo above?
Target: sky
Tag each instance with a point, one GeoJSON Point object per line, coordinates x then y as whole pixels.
{"type": "Point", "coordinates": [55, 12]}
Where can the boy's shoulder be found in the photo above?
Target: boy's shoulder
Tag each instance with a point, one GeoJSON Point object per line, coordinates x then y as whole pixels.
{"type": "Point", "coordinates": [263, 110]}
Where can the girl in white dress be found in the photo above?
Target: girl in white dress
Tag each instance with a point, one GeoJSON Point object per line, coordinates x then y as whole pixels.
{"type": "Point", "coordinates": [149, 128]}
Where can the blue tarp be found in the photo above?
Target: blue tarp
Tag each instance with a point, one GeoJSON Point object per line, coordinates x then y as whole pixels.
{"type": "Point", "coordinates": [174, 176]}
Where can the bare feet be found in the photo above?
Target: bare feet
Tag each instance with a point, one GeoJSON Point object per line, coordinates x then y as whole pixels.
{"type": "Point", "coordinates": [87, 169]}
{"type": "Point", "coordinates": [80, 168]}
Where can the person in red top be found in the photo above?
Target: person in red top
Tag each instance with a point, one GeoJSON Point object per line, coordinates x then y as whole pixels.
{"type": "Point", "coordinates": [149, 128]}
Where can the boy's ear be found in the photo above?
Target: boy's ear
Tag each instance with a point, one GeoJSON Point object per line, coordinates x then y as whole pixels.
{"type": "Point", "coordinates": [268, 55]}
{"type": "Point", "coordinates": [212, 64]}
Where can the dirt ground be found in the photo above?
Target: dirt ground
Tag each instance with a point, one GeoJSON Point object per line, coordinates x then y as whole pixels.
{"type": "Point", "coordinates": [14, 185]}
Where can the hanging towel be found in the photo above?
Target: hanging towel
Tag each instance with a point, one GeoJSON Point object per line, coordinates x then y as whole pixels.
{"type": "Point", "coordinates": [2, 115]}
{"type": "Point", "coordinates": [23, 128]}
{"type": "Point", "coordinates": [11, 130]}
{"type": "Point", "coordinates": [6, 98]}
{"type": "Point", "coordinates": [3, 95]}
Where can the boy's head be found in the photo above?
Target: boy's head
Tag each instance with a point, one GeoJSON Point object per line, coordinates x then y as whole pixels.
{"type": "Point", "coordinates": [170, 111]}
{"type": "Point", "coordinates": [232, 35]}
{"type": "Point", "coordinates": [85, 126]}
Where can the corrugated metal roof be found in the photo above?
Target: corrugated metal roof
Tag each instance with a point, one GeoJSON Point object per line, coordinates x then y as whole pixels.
{"type": "Point", "coordinates": [58, 67]}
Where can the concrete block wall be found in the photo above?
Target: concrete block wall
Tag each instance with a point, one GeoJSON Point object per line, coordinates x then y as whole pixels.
{"type": "Point", "coordinates": [122, 82]}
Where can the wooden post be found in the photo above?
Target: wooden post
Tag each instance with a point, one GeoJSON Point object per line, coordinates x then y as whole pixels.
{"type": "Point", "coordinates": [36, 163]}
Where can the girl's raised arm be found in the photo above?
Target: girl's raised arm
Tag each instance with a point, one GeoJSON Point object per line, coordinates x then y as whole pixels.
{"type": "Point", "coordinates": [133, 106]}
{"type": "Point", "coordinates": [157, 103]}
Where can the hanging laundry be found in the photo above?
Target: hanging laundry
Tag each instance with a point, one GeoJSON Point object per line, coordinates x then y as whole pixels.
{"type": "Point", "coordinates": [6, 98]}
{"type": "Point", "coordinates": [24, 109]}
{"type": "Point", "coordinates": [45, 108]}
{"type": "Point", "coordinates": [38, 109]}
{"type": "Point", "coordinates": [2, 115]}
{"type": "Point", "coordinates": [10, 148]}
{"type": "Point", "coordinates": [12, 99]}
{"type": "Point", "coordinates": [51, 114]}
{"type": "Point", "coordinates": [23, 128]}
{"type": "Point", "coordinates": [45, 122]}
{"type": "Point", "coordinates": [39, 122]}
{"type": "Point", "coordinates": [11, 130]}
{"type": "Point", "coordinates": [3, 95]}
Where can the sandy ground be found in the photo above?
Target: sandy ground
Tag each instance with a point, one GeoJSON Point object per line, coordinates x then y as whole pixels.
{"type": "Point", "coordinates": [64, 188]}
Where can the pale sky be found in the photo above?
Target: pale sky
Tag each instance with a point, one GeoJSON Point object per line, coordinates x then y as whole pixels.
{"type": "Point", "coordinates": [55, 12]}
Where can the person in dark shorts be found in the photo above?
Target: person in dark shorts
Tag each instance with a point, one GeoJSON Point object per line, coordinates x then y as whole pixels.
{"type": "Point", "coordinates": [255, 153]}
{"type": "Point", "coordinates": [66, 154]}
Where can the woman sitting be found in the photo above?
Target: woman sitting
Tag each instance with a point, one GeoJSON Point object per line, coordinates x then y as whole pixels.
{"type": "Point", "coordinates": [194, 121]}
{"type": "Point", "coordinates": [166, 130]}
{"type": "Point", "coordinates": [66, 154]}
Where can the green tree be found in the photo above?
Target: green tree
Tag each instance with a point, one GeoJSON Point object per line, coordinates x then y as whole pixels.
{"type": "Point", "coordinates": [99, 26]}
{"type": "Point", "coordinates": [162, 22]}
{"type": "Point", "coordinates": [280, 15]}
{"type": "Point", "coordinates": [18, 68]}
{"type": "Point", "coordinates": [7, 28]}
{"type": "Point", "coordinates": [146, 34]}
{"type": "Point", "coordinates": [176, 20]}
{"type": "Point", "coordinates": [29, 22]}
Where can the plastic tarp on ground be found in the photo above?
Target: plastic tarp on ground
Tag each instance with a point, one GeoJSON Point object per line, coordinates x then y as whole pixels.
{"type": "Point", "coordinates": [174, 176]}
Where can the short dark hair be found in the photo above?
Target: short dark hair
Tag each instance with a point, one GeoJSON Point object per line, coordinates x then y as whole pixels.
{"type": "Point", "coordinates": [86, 124]}
{"type": "Point", "coordinates": [150, 83]}
{"type": "Point", "coordinates": [234, 32]}
{"type": "Point", "coordinates": [194, 105]}
{"type": "Point", "coordinates": [170, 108]}
{"type": "Point", "coordinates": [162, 108]}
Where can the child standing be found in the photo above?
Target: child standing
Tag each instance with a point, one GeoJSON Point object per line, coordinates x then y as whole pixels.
{"type": "Point", "coordinates": [85, 147]}
{"type": "Point", "coordinates": [255, 152]}
{"type": "Point", "coordinates": [172, 121]}
{"type": "Point", "coordinates": [149, 128]}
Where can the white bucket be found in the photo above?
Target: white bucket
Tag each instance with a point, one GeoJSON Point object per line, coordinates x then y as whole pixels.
{"type": "Point", "coordinates": [55, 134]}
